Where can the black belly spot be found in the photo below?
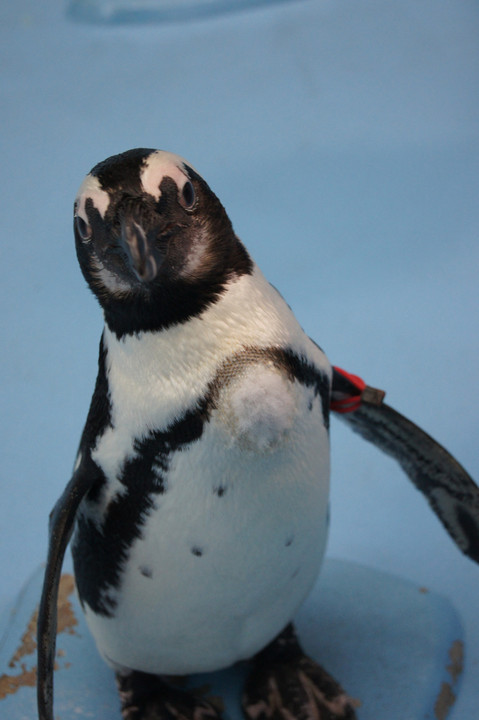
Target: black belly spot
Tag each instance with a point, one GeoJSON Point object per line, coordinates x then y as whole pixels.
{"type": "Point", "coordinates": [220, 490]}
{"type": "Point", "coordinates": [289, 541]}
{"type": "Point", "coordinates": [146, 571]}
{"type": "Point", "coordinates": [196, 551]}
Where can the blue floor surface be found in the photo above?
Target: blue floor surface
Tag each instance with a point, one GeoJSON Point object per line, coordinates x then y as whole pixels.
{"type": "Point", "coordinates": [343, 139]}
{"type": "Point", "coordinates": [400, 660]}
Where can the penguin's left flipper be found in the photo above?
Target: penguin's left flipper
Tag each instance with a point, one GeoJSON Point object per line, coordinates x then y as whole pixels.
{"type": "Point", "coordinates": [451, 492]}
{"type": "Point", "coordinates": [286, 683]}
{"type": "Point", "coordinates": [61, 523]}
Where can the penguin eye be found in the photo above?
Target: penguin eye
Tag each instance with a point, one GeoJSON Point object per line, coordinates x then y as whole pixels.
{"type": "Point", "coordinates": [188, 195]}
{"type": "Point", "coordinates": [83, 229]}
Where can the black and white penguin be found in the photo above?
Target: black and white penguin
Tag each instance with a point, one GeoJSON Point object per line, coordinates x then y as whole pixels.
{"type": "Point", "coordinates": [199, 499]}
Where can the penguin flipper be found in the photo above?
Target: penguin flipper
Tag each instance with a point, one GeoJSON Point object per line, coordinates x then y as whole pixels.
{"type": "Point", "coordinates": [61, 523]}
{"type": "Point", "coordinates": [449, 489]}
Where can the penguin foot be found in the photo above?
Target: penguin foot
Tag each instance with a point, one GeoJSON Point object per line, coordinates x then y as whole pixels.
{"type": "Point", "coordinates": [285, 684]}
{"type": "Point", "coordinates": [149, 697]}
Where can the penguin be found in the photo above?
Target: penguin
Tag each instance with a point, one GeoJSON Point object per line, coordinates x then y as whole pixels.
{"type": "Point", "coordinates": [198, 508]}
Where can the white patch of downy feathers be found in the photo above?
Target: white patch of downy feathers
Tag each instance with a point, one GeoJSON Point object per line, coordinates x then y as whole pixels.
{"type": "Point", "coordinates": [260, 408]}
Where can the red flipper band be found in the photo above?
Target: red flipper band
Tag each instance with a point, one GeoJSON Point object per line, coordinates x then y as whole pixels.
{"type": "Point", "coordinates": [352, 392]}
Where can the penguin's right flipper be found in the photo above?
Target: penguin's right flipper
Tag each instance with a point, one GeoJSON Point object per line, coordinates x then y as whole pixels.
{"type": "Point", "coordinates": [62, 519]}
{"type": "Point", "coordinates": [449, 489]}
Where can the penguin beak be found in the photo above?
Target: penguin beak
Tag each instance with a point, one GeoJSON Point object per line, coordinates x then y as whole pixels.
{"type": "Point", "coordinates": [143, 257]}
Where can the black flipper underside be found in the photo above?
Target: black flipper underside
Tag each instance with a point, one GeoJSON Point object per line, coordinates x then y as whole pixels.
{"type": "Point", "coordinates": [62, 519]}
{"type": "Point", "coordinates": [449, 489]}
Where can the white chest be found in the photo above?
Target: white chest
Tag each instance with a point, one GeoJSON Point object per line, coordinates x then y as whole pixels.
{"type": "Point", "coordinates": [230, 551]}
{"type": "Point", "coordinates": [232, 545]}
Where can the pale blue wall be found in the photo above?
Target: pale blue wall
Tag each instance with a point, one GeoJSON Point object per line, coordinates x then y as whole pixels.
{"type": "Point", "coordinates": [343, 138]}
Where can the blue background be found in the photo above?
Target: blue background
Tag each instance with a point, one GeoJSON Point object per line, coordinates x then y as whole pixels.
{"type": "Point", "coordinates": [343, 139]}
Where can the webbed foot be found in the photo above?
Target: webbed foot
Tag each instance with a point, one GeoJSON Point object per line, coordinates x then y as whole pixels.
{"type": "Point", "coordinates": [149, 697]}
{"type": "Point", "coordinates": [285, 684]}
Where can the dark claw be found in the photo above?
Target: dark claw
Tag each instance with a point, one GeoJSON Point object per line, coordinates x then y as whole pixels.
{"type": "Point", "coordinates": [285, 684]}
{"type": "Point", "coordinates": [148, 697]}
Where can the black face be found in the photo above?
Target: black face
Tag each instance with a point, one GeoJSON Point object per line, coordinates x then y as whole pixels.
{"type": "Point", "coordinates": [154, 243]}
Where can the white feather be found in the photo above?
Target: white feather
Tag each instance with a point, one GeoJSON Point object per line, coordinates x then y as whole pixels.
{"type": "Point", "coordinates": [162, 164]}
{"type": "Point", "coordinates": [91, 188]}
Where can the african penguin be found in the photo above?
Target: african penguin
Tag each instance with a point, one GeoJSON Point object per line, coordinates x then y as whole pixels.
{"type": "Point", "coordinates": [207, 524]}
{"type": "Point", "coordinates": [198, 506]}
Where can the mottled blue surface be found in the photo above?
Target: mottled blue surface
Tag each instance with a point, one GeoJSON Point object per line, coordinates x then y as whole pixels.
{"type": "Point", "coordinates": [343, 139]}
{"type": "Point", "coordinates": [393, 658]}
{"type": "Point", "coordinates": [146, 11]}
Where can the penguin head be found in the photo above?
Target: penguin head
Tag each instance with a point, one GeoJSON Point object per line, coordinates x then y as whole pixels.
{"type": "Point", "coordinates": [153, 241]}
